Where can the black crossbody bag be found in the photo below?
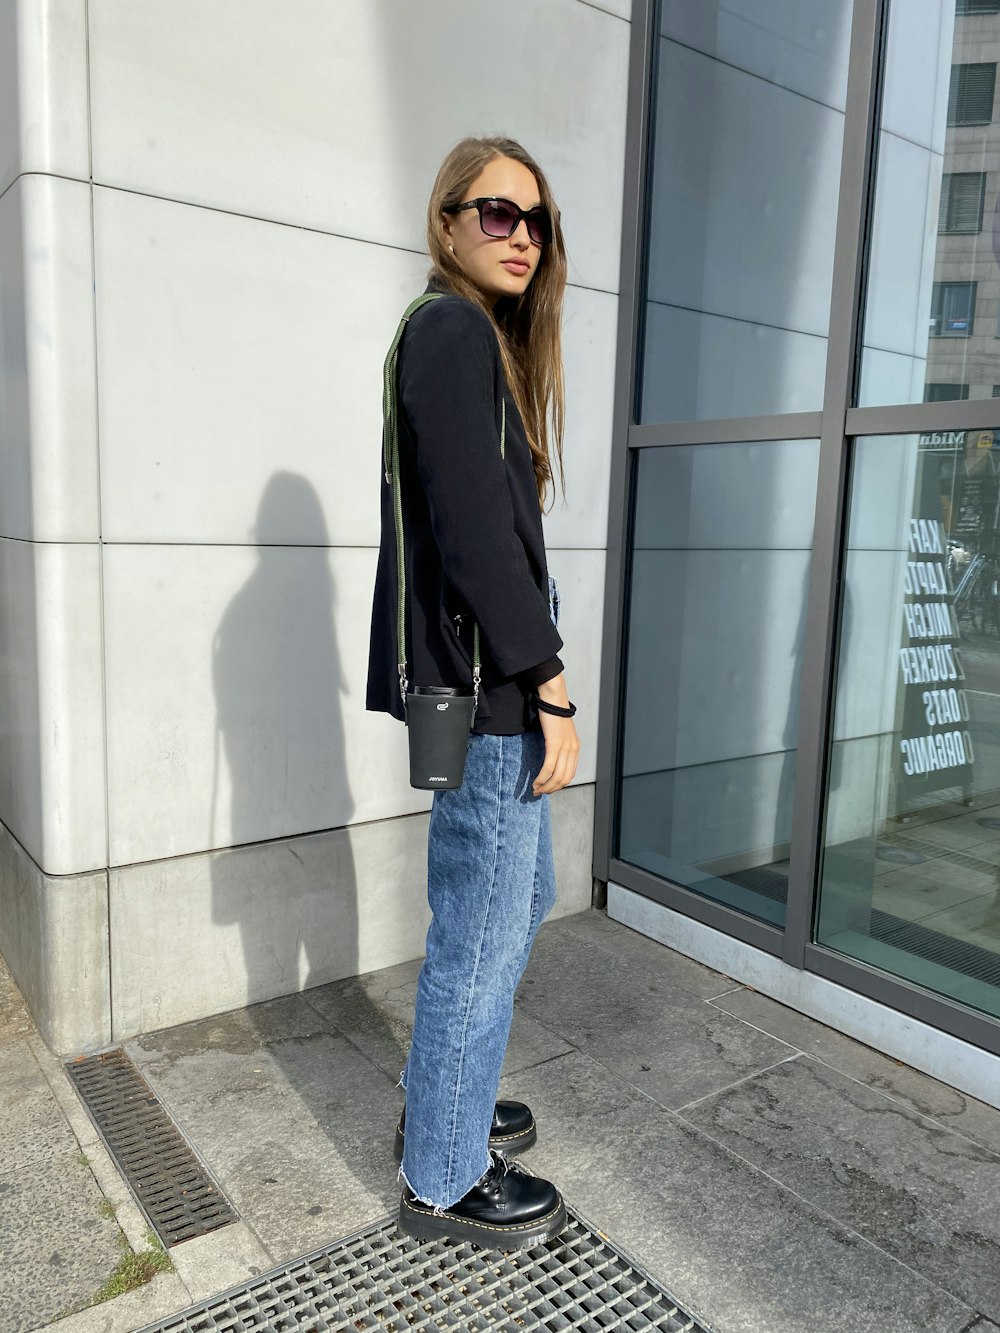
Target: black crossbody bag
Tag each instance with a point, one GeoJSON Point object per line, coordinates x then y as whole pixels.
{"type": "Point", "coordinates": [439, 718]}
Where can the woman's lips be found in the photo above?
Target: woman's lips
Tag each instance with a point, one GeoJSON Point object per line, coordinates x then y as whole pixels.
{"type": "Point", "coordinates": [517, 266]}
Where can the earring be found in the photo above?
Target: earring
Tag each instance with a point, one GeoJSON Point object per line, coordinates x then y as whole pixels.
{"type": "Point", "coordinates": [451, 248]}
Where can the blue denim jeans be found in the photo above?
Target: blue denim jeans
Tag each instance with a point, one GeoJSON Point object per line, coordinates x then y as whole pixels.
{"type": "Point", "coordinates": [490, 883]}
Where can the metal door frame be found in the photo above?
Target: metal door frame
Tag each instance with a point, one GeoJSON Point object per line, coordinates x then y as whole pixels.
{"type": "Point", "coordinates": [836, 425]}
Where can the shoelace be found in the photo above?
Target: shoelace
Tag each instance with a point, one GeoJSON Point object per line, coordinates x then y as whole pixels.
{"type": "Point", "coordinates": [500, 1165]}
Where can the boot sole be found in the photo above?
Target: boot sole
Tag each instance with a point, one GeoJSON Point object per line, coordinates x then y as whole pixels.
{"type": "Point", "coordinates": [504, 1143]}
{"type": "Point", "coordinates": [422, 1224]}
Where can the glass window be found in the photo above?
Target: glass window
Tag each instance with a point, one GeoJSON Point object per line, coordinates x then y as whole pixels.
{"type": "Point", "coordinates": [970, 95]}
{"type": "Point", "coordinates": [962, 196]}
{"type": "Point", "coordinates": [720, 568]}
{"type": "Point", "coordinates": [935, 240]}
{"type": "Point", "coordinates": [946, 393]}
{"type": "Point", "coordinates": [978, 7]}
{"type": "Point", "coordinates": [953, 307]}
{"type": "Point", "coordinates": [911, 868]}
{"type": "Point", "coordinates": [746, 143]}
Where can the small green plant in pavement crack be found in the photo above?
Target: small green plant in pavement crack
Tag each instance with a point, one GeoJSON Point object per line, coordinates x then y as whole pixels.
{"type": "Point", "coordinates": [132, 1269]}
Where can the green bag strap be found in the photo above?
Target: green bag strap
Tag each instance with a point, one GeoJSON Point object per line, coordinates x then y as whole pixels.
{"type": "Point", "coordinates": [390, 459]}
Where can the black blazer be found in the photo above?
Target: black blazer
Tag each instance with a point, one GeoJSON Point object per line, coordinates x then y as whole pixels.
{"type": "Point", "coordinates": [472, 529]}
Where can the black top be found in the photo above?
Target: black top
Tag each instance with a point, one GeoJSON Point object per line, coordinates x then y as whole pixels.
{"type": "Point", "coordinates": [472, 529]}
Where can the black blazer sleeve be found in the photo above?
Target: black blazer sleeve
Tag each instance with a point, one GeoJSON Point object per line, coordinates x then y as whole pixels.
{"type": "Point", "coordinates": [448, 367]}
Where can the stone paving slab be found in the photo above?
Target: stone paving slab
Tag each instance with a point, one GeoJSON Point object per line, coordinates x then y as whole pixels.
{"type": "Point", "coordinates": [20, 1076]}
{"type": "Point", "coordinates": [34, 1132]}
{"type": "Point", "coordinates": [376, 1012]}
{"type": "Point", "coordinates": [55, 1246]}
{"type": "Point", "coordinates": [292, 1104]}
{"type": "Point", "coordinates": [156, 1299]}
{"type": "Point", "coordinates": [659, 1037]}
{"type": "Point", "coordinates": [744, 1252]}
{"type": "Point", "coordinates": [297, 1130]}
{"type": "Point", "coordinates": [58, 1244]}
{"type": "Point", "coordinates": [921, 1093]}
{"type": "Point", "coordinates": [596, 928]}
{"type": "Point", "coordinates": [15, 1021]}
{"type": "Point", "coordinates": [924, 1194]}
{"type": "Point", "coordinates": [223, 1258]}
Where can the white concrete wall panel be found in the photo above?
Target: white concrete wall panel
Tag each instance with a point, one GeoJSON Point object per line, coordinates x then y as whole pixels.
{"type": "Point", "coordinates": [52, 785]}
{"type": "Point", "coordinates": [236, 689]}
{"type": "Point", "coordinates": [801, 45]}
{"type": "Point", "coordinates": [918, 71]}
{"type": "Point", "coordinates": [683, 818]}
{"type": "Point", "coordinates": [230, 348]}
{"type": "Point", "coordinates": [727, 222]}
{"type": "Point", "coordinates": [20, 753]}
{"type": "Point", "coordinates": [700, 366]}
{"type": "Point", "coordinates": [720, 631]}
{"type": "Point", "coordinates": [723, 541]}
{"type": "Point", "coordinates": [861, 773]}
{"type": "Point", "coordinates": [904, 244]}
{"type": "Point", "coordinates": [54, 939]}
{"type": "Point", "coordinates": [48, 416]}
{"type": "Point", "coordinates": [236, 680]}
{"type": "Point", "coordinates": [201, 934]}
{"type": "Point", "coordinates": [580, 575]}
{"type": "Point", "coordinates": [590, 330]}
{"type": "Point", "coordinates": [621, 8]}
{"type": "Point", "coordinates": [904, 234]}
{"type": "Point", "coordinates": [225, 290]}
{"type": "Point", "coordinates": [322, 115]}
{"type": "Point", "coordinates": [43, 89]}
{"type": "Point", "coordinates": [728, 496]}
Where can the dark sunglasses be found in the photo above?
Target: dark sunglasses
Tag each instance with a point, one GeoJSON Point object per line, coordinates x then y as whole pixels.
{"type": "Point", "coordinates": [501, 217]}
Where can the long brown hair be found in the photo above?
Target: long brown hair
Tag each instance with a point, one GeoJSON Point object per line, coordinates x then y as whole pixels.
{"type": "Point", "coordinates": [528, 327]}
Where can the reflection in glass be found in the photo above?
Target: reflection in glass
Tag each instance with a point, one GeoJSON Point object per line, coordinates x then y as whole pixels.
{"type": "Point", "coordinates": [934, 285]}
{"type": "Point", "coordinates": [911, 871]}
{"type": "Point", "coordinates": [720, 565]}
{"type": "Point", "coordinates": [748, 124]}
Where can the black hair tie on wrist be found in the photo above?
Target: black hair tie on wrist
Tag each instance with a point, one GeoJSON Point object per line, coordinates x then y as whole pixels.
{"type": "Point", "coordinates": [554, 708]}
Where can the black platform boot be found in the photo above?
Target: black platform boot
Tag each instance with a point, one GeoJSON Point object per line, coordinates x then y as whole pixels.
{"type": "Point", "coordinates": [507, 1209]}
{"type": "Point", "coordinates": [513, 1129]}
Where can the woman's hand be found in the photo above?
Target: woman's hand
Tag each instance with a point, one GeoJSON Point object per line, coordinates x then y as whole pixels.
{"type": "Point", "coordinates": [562, 745]}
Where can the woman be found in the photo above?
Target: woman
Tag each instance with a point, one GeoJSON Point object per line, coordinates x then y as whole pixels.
{"type": "Point", "coordinates": [481, 411]}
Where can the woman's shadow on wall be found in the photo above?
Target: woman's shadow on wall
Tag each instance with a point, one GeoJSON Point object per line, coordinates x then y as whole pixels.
{"type": "Point", "coordinates": [279, 687]}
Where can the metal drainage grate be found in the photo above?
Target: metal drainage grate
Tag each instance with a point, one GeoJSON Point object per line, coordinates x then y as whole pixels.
{"type": "Point", "coordinates": [935, 852]}
{"type": "Point", "coordinates": [172, 1187]}
{"type": "Point", "coordinates": [765, 880]}
{"type": "Point", "coordinates": [956, 954]}
{"type": "Point", "coordinates": [379, 1280]}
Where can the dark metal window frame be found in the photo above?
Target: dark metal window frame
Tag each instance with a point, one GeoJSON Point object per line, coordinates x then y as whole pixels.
{"type": "Point", "coordinates": [836, 426]}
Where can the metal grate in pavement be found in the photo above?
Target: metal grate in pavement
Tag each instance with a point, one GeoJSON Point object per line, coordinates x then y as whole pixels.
{"type": "Point", "coordinates": [379, 1280]}
{"type": "Point", "coordinates": [933, 851]}
{"type": "Point", "coordinates": [764, 880]}
{"type": "Point", "coordinates": [946, 950]}
{"type": "Point", "coordinates": [170, 1184]}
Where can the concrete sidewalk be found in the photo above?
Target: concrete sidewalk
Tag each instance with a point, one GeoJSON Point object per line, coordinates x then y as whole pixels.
{"type": "Point", "coordinates": [773, 1174]}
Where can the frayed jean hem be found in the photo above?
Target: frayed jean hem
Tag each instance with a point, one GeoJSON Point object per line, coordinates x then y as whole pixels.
{"type": "Point", "coordinates": [438, 1209]}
